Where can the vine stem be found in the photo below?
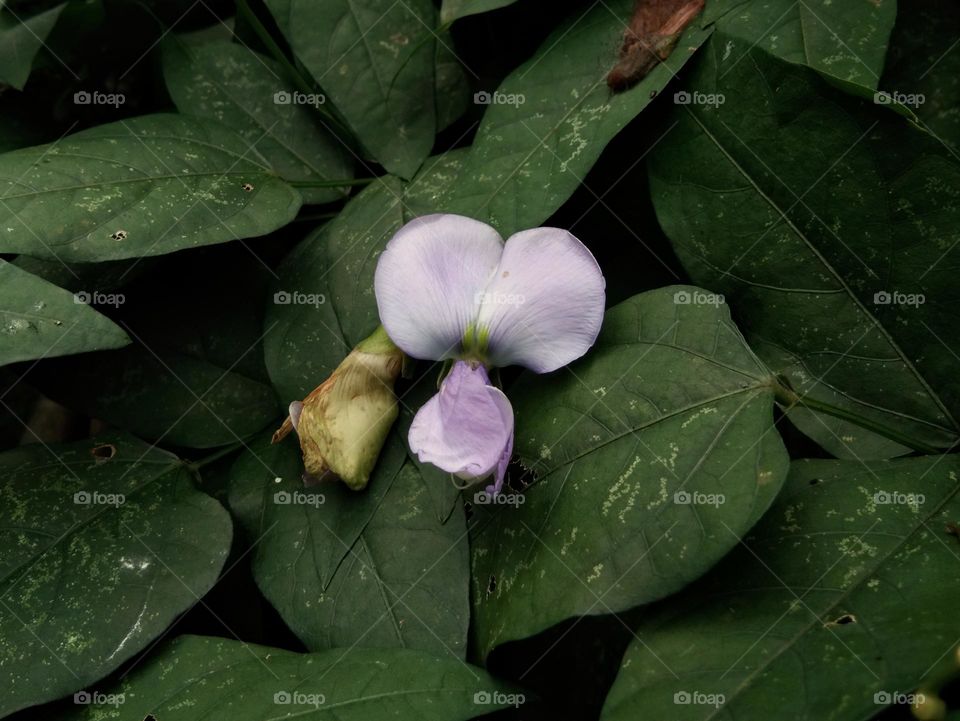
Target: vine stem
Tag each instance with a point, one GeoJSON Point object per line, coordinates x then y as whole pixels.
{"type": "Point", "coordinates": [329, 183]}
{"type": "Point", "coordinates": [791, 399]}
{"type": "Point", "coordinates": [215, 456]}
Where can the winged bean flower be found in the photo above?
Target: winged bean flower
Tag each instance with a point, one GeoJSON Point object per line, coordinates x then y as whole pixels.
{"type": "Point", "coordinates": [449, 287]}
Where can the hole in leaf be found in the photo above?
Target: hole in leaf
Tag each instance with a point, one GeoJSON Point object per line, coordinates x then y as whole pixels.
{"type": "Point", "coordinates": [247, 187]}
{"type": "Point", "coordinates": [492, 584]}
{"type": "Point", "coordinates": [815, 481]}
{"type": "Point", "coordinates": [119, 235]}
{"type": "Point", "coordinates": [843, 620]}
{"type": "Point", "coordinates": [103, 452]}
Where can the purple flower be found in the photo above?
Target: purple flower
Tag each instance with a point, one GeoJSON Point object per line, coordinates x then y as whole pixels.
{"type": "Point", "coordinates": [448, 287]}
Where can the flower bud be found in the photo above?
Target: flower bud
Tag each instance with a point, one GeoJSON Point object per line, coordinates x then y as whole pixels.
{"type": "Point", "coordinates": [344, 422]}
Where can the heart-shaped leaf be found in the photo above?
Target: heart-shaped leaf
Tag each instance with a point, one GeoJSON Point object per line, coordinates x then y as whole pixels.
{"type": "Point", "coordinates": [830, 225]}
{"type": "Point", "coordinates": [143, 186]}
{"type": "Point", "coordinates": [839, 602]}
{"type": "Point", "coordinates": [103, 544]}
{"type": "Point", "coordinates": [194, 677]}
{"type": "Point", "coordinates": [647, 451]}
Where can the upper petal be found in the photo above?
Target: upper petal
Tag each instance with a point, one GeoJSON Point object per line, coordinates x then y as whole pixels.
{"type": "Point", "coordinates": [544, 307]}
{"type": "Point", "coordinates": [467, 427]}
{"type": "Point", "coordinates": [427, 282]}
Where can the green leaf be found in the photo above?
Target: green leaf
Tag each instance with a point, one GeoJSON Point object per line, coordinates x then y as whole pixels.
{"type": "Point", "coordinates": [844, 40]}
{"type": "Point", "coordinates": [824, 220]}
{"type": "Point", "coordinates": [670, 401]}
{"type": "Point", "coordinates": [248, 92]}
{"type": "Point", "coordinates": [834, 597]}
{"type": "Point", "coordinates": [323, 303]}
{"type": "Point", "coordinates": [194, 677]}
{"type": "Point", "coordinates": [923, 68]}
{"type": "Point", "coordinates": [374, 60]}
{"type": "Point", "coordinates": [138, 187]}
{"type": "Point", "coordinates": [456, 9]}
{"type": "Point", "coordinates": [550, 120]}
{"type": "Point", "coordinates": [40, 320]}
{"type": "Point", "coordinates": [375, 568]}
{"type": "Point", "coordinates": [20, 40]}
{"type": "Point", "coordinates": [85, 586]}
{"type": "Point", "coordinates": [453, 86]}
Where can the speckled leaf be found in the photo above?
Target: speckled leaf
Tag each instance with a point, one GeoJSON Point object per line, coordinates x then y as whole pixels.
{"type": "Point", "coordinates": [40, 320]}
{"type": "Point", "coordinates": [845, 40]}
{"type": "Point", "coordinates": [456, 9]}
{"type": "Point", "coordinates": [837, 601]}
{"type": "Point", "coordinates": [528, 157]}
{"type": "Point", "coordinates": [669, 406]}
{"type": "Point", "coordinates": [248, 92]}
{"type": "Point", "coordinates": [85, 586]}
{"type": "Point", "coordinates": [195, 678]}
{"type": "Point", "coordinates": [824, 220]}
{"type": "Point", "coordinates": [323, 302]}
{"type": "Point", "coordinates": [21, 38]}
{"type": "Point", "coordinates": [374, 60]}
{"type": "Point", "coordinates": [371, 569]}
{"type": "Point", "coordinates": [143, 186]}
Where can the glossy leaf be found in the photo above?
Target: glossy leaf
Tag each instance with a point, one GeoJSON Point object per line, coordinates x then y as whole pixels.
{"type": "Point", "coordinates": [40, 320]}
{"type": "Point", "coordinates": [456, 9]}
{"type": "Point", "coordinates": [100, 553]}
{"type": "Point", "coordinates": [138, 187]}
{"type": "Point", "coordinates": [247, 92]}
{"type": "Point", "coordinates": [830, 225]}
{"type": "Point", "coordinates": [836, 603]}
{"type": "Point", "coordinates": [646, 452]}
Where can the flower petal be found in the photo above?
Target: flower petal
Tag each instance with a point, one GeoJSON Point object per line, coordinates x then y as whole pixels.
{"type": "Point", "coordinates": [544, 307]}
{"type": "Point", "coordinates": [294, 411]}
{"type": "Point", "coordinates": [427, 281]}
{"type": "Point", "coordinates": [467, 427]}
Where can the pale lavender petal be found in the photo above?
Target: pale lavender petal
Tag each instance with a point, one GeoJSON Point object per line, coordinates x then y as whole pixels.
{"type": "Point", "coordinates": [296, 408]}
{"type": "Point", "coordinates": [494, 488]}
{"type": "Point", "coordinates": [544, 307]}
{"type": "Point", "coordinates": [427, 281]}
{"type": "Point", "coordinates": [467, 428]}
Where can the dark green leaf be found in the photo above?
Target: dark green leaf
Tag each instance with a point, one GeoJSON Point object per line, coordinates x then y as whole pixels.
{"type": "Point", "coordinates": [839, 599]}
{"type": "Point", "coordinates": [85, 586]}
{"type": "Point", "coordinates": [20, 39]}
{"type": "Point", "coordinates": [456, 9]}
{"type": "Point", "coordinates": [669, 406]}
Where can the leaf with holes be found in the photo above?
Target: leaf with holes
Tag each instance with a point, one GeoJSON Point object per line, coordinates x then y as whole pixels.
{"type": "Point", "coordinates": [138, 187]}
{"type": "Point", "coordinates": [649, 452]}
{"type": "Point", "coordinates": [40, 320]}
{"type": "Point", "coordinates": [839, 600]}
{"type": "Point", "coordinates": [247, 92]}
{"type": "Point", "coordinates": [20, 40]}
{"type": "Point", "coordinates": [374, 60]}
{"type": "Point", "coordinates": [374, 569]}
{"type": "Point", "coordinates": [836, 247]}
{"type": "Point", "coordinates": [194, 676]}
{"type": "Point", "coordinates": [104, 544]}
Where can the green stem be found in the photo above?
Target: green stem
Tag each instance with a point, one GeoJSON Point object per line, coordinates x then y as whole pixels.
{"type": "Point", "coordinates": [790, 399]}
{"type": "Point", "coordinates": [329, 183]}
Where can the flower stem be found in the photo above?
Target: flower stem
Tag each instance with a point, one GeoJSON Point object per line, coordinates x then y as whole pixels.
{"type": "Point", "coordinates": [789, 398]}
